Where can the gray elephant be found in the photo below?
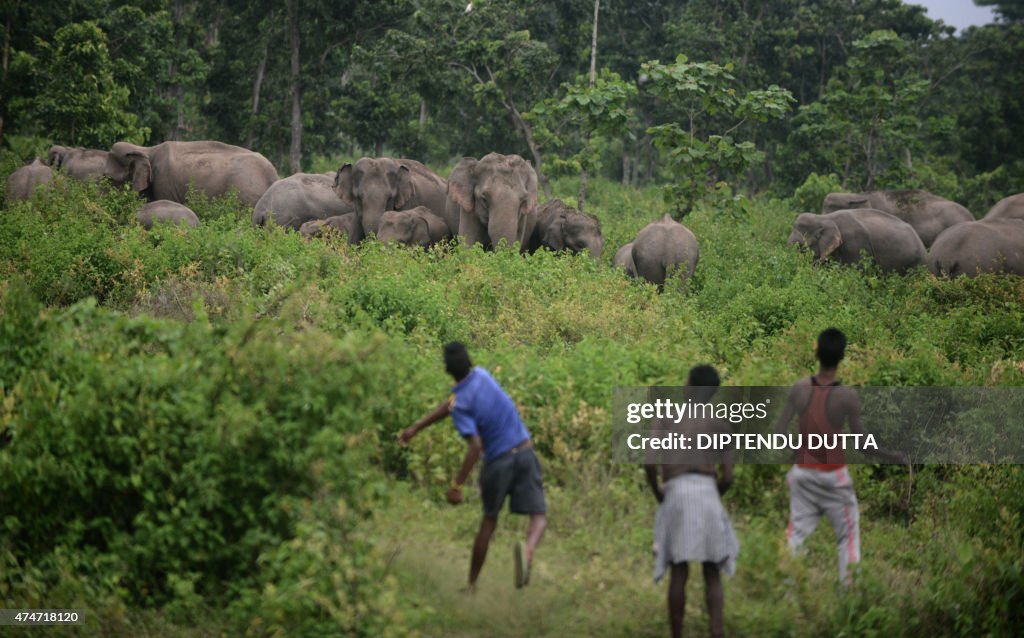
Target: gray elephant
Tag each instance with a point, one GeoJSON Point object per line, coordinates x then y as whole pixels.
{"type": "Point", "coordinates": [374, 186]}
{"type": "Point", "coordinates": [984, 246]}
{"type": "Point", "coordinates": [22, 183]}
{"type": "Point", "coordinates": [660, 247]}
{"type": "Point", "coordinates": [624, 259]}
{"type": "Point", "coordinates": [163, 211]}
{"type": "Point", "coordinates": [1011, 207]}
{"type": "Point", "coordinates": [928, 214]}
{"type": "Point", "coordinates": [84, 164]}
{"type": "Point", "coordinates": [166, 170]}
{"type": "Point", "coordinates": [295, 200]}
{"type": "Point", "coordinates": [415, 227]}
{"type": "Point", "coordinates": [495, 198]}
{"type": "Point", "coordinates": [341, 224]}
{"type": "Point", "coordinates": [842, 235]}
{"type": "Point", "coordinates": [560, 227]}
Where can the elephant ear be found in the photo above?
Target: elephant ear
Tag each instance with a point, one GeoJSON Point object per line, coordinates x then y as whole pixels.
{"type": "Point", "coordinates": [140, 172]}
{"type": "Point", "coordinates": [530, 183]}
{"type": "Point", "coordinates": [462, 182]}
{"type": "Point", "coordinates": [405, 190]}
{"type": "Point", "coordinates": [55, 156]}
{"type": "Point", "coordinates": [829, 240]}
{"type": "Point", "coordinates": [858, 202]}
{"type": "Point", "coordinates": [343, 184]}
{"type": "Point", "coordinates": [554, 234]}
{"type": "Point", "coordinates": [422, 231]}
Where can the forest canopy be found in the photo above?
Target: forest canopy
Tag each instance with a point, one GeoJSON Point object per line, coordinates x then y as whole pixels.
{"type": "Point", "coordinates": [881, 95]}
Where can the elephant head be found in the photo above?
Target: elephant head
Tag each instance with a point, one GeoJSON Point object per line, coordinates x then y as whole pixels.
{"type": "Point", "coordinates": [816, 232]}
{"type": "Point", "coordinates": [404, 227]}
{"type": "Point", "coordinates": [55, 156]}
{"type": "Point", "coordinates": [130, 164]}
{"type": "Point", "coordinates": [497, 196]}
{"type": "Point", "coordinates": [574, 232]}
{"type": "Point", "coordinates": [373, 186]}
{"type": "Point", "coordinates": [843, 201]}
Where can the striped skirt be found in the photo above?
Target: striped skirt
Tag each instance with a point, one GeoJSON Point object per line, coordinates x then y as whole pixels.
{"type": "Point", "coordinates": [692, 525]}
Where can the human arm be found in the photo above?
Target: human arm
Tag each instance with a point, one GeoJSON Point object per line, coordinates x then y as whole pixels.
{"type": "Point", "coordinates": [788, 411]}
{"type": "Point", "coordinates": [435, 415]}
{"type": "Point", "coordinates": [474, 447]}
{"type": "Point", "coordinates": [652, 479]}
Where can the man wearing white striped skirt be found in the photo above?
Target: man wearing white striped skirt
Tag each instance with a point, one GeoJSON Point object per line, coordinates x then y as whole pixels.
{"type": "Point", "coordinates": [691, 523]}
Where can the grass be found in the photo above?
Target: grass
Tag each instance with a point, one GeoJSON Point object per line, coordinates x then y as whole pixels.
{"type": "Point", "coordinates": [942, 558]}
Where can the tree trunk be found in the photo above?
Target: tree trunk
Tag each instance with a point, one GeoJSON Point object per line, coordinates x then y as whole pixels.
{"type": "Point", "coordinates": [257, 87]}
{"type": "Point", "coordinates": [378, 147]}
{"type": "Point", "coordinates": [4, 63]}
{"type": "Point", "coordinates": [625, 164]}
{"type": "Point", "coordinates": [295, 152]}
{"type": "Point", "coordinates": [581, 197]}
{"type": "Point", "coordinates": [178, 91]}
{"type": "Point", "coordinates": [423, 113]}
{"type": "Point", "coordinates": [527, 131]}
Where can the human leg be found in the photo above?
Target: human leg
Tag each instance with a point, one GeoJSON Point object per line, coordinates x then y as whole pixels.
{"type": "Point", "coordinates": [844, 516]}
{"type": "Point", "coordinates": [715, 598]}
{"type": "Point", "coordinates": [480, 545]}
{"type": "Point", "coordinates": [804, 511]}
{"type": "Point", "coordinates": [677, 598]}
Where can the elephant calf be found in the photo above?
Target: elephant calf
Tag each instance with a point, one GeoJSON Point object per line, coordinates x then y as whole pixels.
{"type": "Point", "coordinates": [163, 210]}
{"type": "Point", "coordinates": [295, 200]}
{"type": "Point", "coordinates": [984, 246]}
{"type": "Point", "coordinates": [842, 235]}
{"type": "Point", "coordinates": [928, 214]}
{"type": "Point", "coordinates": [344, 224]}
{"type": "Point", "coordinates": [415, 227]}
{"type": "Point", "coordinates": [624, 259]}
{"type": "Point", "coordinates": [22, 183]}
{"type": "Point", "coordinates": [560, 227]}
{"type": "Point", "coordinates": [658, 248]}
{"type": "Point", "coordinates": [1011, 207]}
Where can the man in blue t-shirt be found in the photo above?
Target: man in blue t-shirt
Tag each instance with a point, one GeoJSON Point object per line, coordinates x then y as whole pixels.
{"type": "Point", "coordinates": [488, 420]}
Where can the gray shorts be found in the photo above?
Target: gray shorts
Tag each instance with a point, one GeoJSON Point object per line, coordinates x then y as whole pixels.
{"type": "Point", "coordinates": [515, 474]}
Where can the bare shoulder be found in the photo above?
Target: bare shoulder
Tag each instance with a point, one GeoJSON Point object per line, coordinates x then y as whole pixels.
{"type": "Point", "coordinates": [848, 395]}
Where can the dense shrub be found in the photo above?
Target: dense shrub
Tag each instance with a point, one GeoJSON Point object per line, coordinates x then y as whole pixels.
{"type": "Point", "coordinates": [202, 418]}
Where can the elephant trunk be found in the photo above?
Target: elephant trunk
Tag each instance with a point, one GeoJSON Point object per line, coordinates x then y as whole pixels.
{"type": "Point", "coordinates": [506, 223]}
{"type": "Point", "coordinates": [370, 211]}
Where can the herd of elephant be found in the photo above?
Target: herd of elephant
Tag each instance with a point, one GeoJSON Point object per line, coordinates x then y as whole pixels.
{"type": "Point", "coordinates": [494, 198]}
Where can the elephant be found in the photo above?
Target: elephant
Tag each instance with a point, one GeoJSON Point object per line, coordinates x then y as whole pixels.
{"type": "Point", "coordinates": [928, 214]}
{"type": "Point", "coordinates": [984, 246]}
{"type": "Point", "coordinates": [164, 210]}
{"type": "Point", "coordinates": [560, 227]}
{"type": "Point", "coordinates": [415, 227]}
{"type": "Point", "coordinates": [843, 234]}
{"type": "Point", "coordinates": [624, 259]}
{"type": "Point", "coordinates": [495, 198]}
{"type": "Point", "coordinates": [166, 170]}
{"type": "Point", "coordinates": [344, 224]}
{"type": "Point", "coordinates": [295, 200]}
{"type": "Point", "coordinates": [22, 183]}
{"type": "Point", "coordinates": [374, 186]}
{"type": "Point", "coordinates": [84, 164]}
{"type": "Point", "coordinates": [1011, 207]}
{"type": "Point", "coordinates": [658, 247]}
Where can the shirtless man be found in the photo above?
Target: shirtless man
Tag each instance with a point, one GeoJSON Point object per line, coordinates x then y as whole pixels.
{"type": "Point", "coordinates": [820, 482]}
{"type": "Point", "coordinates": [691, 524]}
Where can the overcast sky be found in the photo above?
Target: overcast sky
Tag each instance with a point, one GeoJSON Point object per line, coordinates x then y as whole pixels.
{"type": "Point", "coordinates": [957, 13]}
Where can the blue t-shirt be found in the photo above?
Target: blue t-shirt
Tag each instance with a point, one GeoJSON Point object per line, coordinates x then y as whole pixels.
{"type": "Point", "coordinates": [481, 408]}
